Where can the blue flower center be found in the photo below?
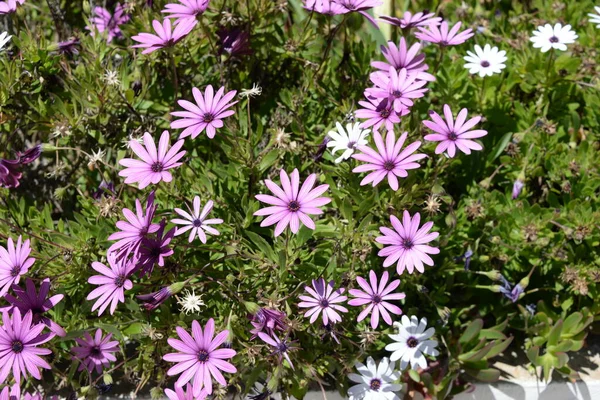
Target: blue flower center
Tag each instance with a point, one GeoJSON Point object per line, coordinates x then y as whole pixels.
{"type": "Point", "coordinates": [208, 117]}
{"type": "Point", "coordinates": [324, 303]}
{"type": "Point", "coordinates": [17, 346]}
{"type": "Point", "coordinates": [202, 356]}
{"type": "Point", "coordinates": [197, 223]}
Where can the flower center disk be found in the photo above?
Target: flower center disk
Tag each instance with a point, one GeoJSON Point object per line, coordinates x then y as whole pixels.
{"type": "Point", "coordinates": [375, 384]}
{"type": "Point", "coordinates": [412, 342]}
{"type": "Point", "coordinates": [17, 346]}
{"type": "Point", "coordinates": [157, 167]}
{"type": "Point", "coordinates": [202, 356]}
{"type": "Point", "coordinates": [294, 205]}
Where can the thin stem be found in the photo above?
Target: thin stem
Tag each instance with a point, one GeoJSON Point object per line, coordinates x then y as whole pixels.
{"type": "Point", "coordinates": [482, 93]}
{"type": "Point", "coordinates": [439, 61]}
{"type": "Point", "coordinates": [548, 66]}
{"type": "Point", "coordinates": [174, 72]}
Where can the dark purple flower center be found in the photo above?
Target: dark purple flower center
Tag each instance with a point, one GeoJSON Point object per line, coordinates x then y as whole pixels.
{"type": "Point", "coordinates": [407, 244]}
{"type": "Point", "coordinates": [412, 342]}
{"type": "Point", "coordinates": [553, 39]}
{"type": "Point", "coordinates": [351, 145]}
{"type": "Point", "coordinates": [324, 303]}
{"type": "Point", "coordinates": [389, 165]}
{"type": "Point", "coordinates": [203, 356]}
{"type": "Point", "coordinates": [397, 93]}
{"type": "Point", "coordinates": [17, 346]}
{"type": "Point", "coordinates": [385, 113]}
{"type": "Point", "coordinates": [294, 206]}
{"type": "Point", "coordinates": [485, 64]}
{"type": "Point", "coordinates": [375, 384]}
{"type": "Point", "coordinates": [155, 252]}
{"type": "Point", "coordinates": [376, 299]}
{"type": "Point", "coordinates": [120, 280]}
{"type": "Point", "coordinates": [282, 347]}
{"type": "Point", "coordinates": [157, 167]}
{"type": "Point", "coordinates": [208, 117]}
{"type": "Point", "coordinates": [197, 223]}
{"type": "Point", "coordinates": [443, 43]}
{"type": "Point", "coordinates": [15, 271]}
{"type": "Point", "coordinates": [452, 136]}
{"type": "Point", "coordinates": [95, 352]}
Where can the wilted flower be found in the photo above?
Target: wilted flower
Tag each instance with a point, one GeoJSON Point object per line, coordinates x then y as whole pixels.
{"type": "Point", "coordinates": [255, 91]}
{"type": "Point", "coordinates": [281, 346]}
{"type": "Point", "coordinates": [412, 343]}
{"type": "Point", "coordinates": [485, 62]}
{"type": "Point", "coordinates": [235, 42]}
{"type": "Point", "coordinates": [69, 47]}
{"type": "Point", "coordinates": [111, 77]}
{"type": "Point", "coordinates": [190, 302]}
{"type": "Point", "coordinates": [155, 299]}
{"type": "Point", "coordinates": [96, 157]}
{"type": "Point", "coordinates": [553, 37]}
{"type": "Point", "coordinates": [518, 186]}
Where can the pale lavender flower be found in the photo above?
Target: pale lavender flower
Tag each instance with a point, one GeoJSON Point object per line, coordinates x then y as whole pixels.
{"type": "Point", "coordinates": [377, 295]}
{"type": "Point", "coordinates": [95, 352]}
{"type": "Point", "coordinates": [410, 20]}
{"type": "Point", "coordinates": [112, 283]}
{"type": "Point", "coordinates": [165, 36]}
{"type": "Point", "coordinates": [105, 22]}
{"type": "Point", "coordinates": [401, 56]}
{"type": "Point", "coordinates": [185, 9]}
{"type": "Point", "coordinates": [196, 220]}
{"type": "Point", "coordinates": [14, 262]}
{"type": "Point", "coordinates": [444, 36]}
{"type": "Point", "coordinates": [323, 298]}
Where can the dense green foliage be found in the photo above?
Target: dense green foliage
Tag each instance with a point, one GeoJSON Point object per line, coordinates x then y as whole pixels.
{"type": "Point", "coordinates": [542, 114]}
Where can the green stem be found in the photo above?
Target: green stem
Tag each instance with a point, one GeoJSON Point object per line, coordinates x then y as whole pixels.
{"type": "Point", "coordinates": [174, 73]}
{"type": "Point", "coordinates": [482, 93]}
{"type": "Point", "coordinates": [549, 65]}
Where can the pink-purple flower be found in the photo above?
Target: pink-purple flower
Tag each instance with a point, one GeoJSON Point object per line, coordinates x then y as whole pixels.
{"type": "Point", "coordinates": [95, 353]}
{"type": "Point", "coordinates": [188, 394]}
{"type": "Point", "coordinates": [9, 6]}
{"type": "Point", "coordinates": [155, 249]}
{"type": "Point", "coordinates": [208, 112]}
{"type": "Point", "coordinates": [398, 87]}
{"type": "Point", "coordinates": [444, 36]}
{"type": "Point", "coordinates": [454, 134]}
{"type": "Point", "coordinates": [401, 56]}
{"type": "Point", "coordinates": [361, 6]}
{"type": "Point", "coordinates": [377, 295]}
{"type": "Point", "coordinates": [14, 262]}
{"type": "Point", "coordinates": [196, 220]}
{"type": "Point", "coordinates": [281, 347]}
{"type": "Point", "coordinates": [389, 160]}
{"type": "Point", "coordinates": [410, 20]}
{"type": "Point", "coordinates": [407, 244]}
{"type": "Point", "coordinates": [112, 283]}
{"type": "Point", "coordinates": [29, 299]}
{"type": "Point", "coordinates": [155, 163]}
{"type": "Point", "coordinates": [103, 21]}
{"type": "Point", "coordinates": [165, 36]}
{"type": "Point", "coordinates": [323, 298]}
{"type": "Point", "coordinates": [199, 358]}
{"type": "Point", "coordinates": [19, 351]}
{"type": "Point", "coordinates": [267, 320]}
{"type": "Point", "coordinates": [325, 7]}
{"type": "Point", "coordinates": [135, 229]}
{"type": "Point", "coordinates": [379, 112]}
{"type": "Point", "coordinates": [185, 9]}
{"type": "Point", "coordinates": [291, 206]}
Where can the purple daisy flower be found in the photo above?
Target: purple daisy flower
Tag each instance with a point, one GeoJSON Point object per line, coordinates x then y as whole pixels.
{"type": "Point", "coordinates": [378, 112]}
{"type": "Point", "coordinates": [281, 346]}
{"type": "Point", "coordinates": [199, 357]}
{"type": "Point", "coordinates": [401, 56]}
{"type": "Point", "coordinates": [388, 161]}
{"type": "Point", "coordinates": [325, 7]}
{"type": "Point", "coordinates": [103, 21]}
{"type": "Point", "coordinates": [154, 165]}
{"type": "Point", "coordinates": [19, 351]}
{"type": "Point", "coordinates": [30, 155]}
{"type": "Point", "coordinates": [361, 6]}
{"type": "Point", "coordinates": [95, 352]}
{"type": "Point", "coordinates": [9, 173]}
{"type": "Point", "coordinates": [14, 262]}
{"type": "Point", "coordinates": [154, 249]}
{"type": "Point", "coordinates": [9, 6]}
{"type": "Point", "coordinates": [29, 300]}
{"type": "Point", "coordinates": [397, 86]}
{"type": "Point", "coordinates": [11, 392]}
{"type": "Point", "coordinates": [267, 320]}
{"type": "Point", "coordinates": [165, 36]}
{"type": "Point", "coordinates": [207, 113]}
{"type": "Point", "coordinates": [135, 229]}
{"type": "Point", "coordinates": [407, 243]}
{"type": "Point", "coordinates": [323, 298]}
{"type": "Point", "coordinates": [290, 206]}
{"type": "Point", "coordinates": [377, 297]}
{"type": "Point", "coordinates": [185, 9]}
{"type": "Point", "coordinates": [188, 394]}
{"type": "Point", "coordinates": [111, 284]}
{"type": "Point", "coordinates": [442, 36]}
{"type": "Point", "coordinates": [410, 20]}
{"type": "Point", "coordinates": [454, 134]}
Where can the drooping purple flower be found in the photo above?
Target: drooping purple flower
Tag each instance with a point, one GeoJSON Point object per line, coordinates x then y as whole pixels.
{"type": "Point", "coordinates": [165, 36]}
{"type": "Point", "coordinates": [398, 87]}
{"type": "Point", "coordinates": [361, 6]}
{"type": "Point", "coordinates": [30, 155]}
{"type": "Point", "coordinates": [291, 206]}
{"type": "Point", "coordinates": [105, 22]}
{"type": "Point", "coordinates": [155, 163]}
{"type": "Point", "coordinates": [135, 229]}
{"type": "Point", "coordinates": [199, 357]}
{"type": "Point", "coordinates": [10, 173]}
{"type": "Point", "coordinates": [509, 291]}
{"type": "Point", "coordinates": [105, 189]}
{"type": "Point", "coordinates": [234, 41]}
{"type": "Point", "coordinates": [267, 320]}
{"type": "Point", "coordinates": [208, 112]}
{"type": "Point", "coordinates": [443, 36]}
{"type": "Point", "coordinates": [517, 188]}
{"type": "Point", "coordinates": [184, 9]}
{"type": "Point", "coordinates": [154, 249]}
{"type": "Point", "coordinates": [322, 297]}
{"type": "Point", "coordinates": [112, 283]}
{"type": "Point", "coordinates": [19, 351]}
{"type": "Point", "coordinates": [14, 262]}
{"type": "Point", "coordinates": [281, 346]}
{"type": "Point", "coordinates": [95, 352]}
{"type": "Point", "coordinates": [401, 56]}
{"type": "Point", "coordinates": [29, 299]}
{"type": "Point", "coordinates": [69, 46]}
{"type": "Point", "coordinates": [389, 160]}
{"type": "Point", "coordinates": [377, 296]}
{"type": "Point", "coordinates": [155, 299]}
{"type": "Point", "coordinates": [410, 20]}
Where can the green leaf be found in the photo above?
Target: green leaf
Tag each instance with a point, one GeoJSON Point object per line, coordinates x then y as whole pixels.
{"type": "Point", "coordinates": [262, 244]}
{"type": "Point", "coordinates": [499, 347]}
{"type": "Point", "coordinates": [471, 332]}
{"type": "Point", "coordinates": [484, 375]}
{"type": "Point", "coordinates": [414, 375]}
{"type": "Point", "coordinates": [554, 335]}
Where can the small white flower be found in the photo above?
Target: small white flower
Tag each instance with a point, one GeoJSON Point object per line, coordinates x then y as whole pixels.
{"type": "Point", "coordinates": [375, 382]}
{"type": "Point", "coordinates": [4, 38]}
{"type": "Point", "coordinates": [412, 343]}
{"type": "Point", "coordinates": [347, 140]}
{"type": "Point", "coordinates": [96, 157]}
{"type": "Point", "coordinates": [111, 78]}
{"type": "Point", "coordinates": [61, 129]}
{"type": "Point", "coordinates": [196, 221]}
{"type": "Point", "coordinates": [595, 18]}
{"type": "Point", "coordinates": [553, 37]}
{"type": "Point", "coordinates": [190, 302]}
{"type": "Point", "coordinates": [485, 62]}
{"type": "Point", "coordinates": [255, 91]}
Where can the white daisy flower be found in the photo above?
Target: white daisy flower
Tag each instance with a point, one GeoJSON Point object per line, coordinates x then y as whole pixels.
{"type": "Point", "coordinates": [595, 18]}
{"type": "Point", "coordinates": [485, 62]}
{"type": "Point", "coordinates": [375, 382]}
{"type": "Point", "coordinates": [4, 38]}
{"type": "Point", "coordinates": [347, 140]}
{"type": "Point", "coordinates": [196, 221]}
{"type": "Point", "coordinates": [553, 37]}
{"type": "Point", "coordinates": [412, 343]}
